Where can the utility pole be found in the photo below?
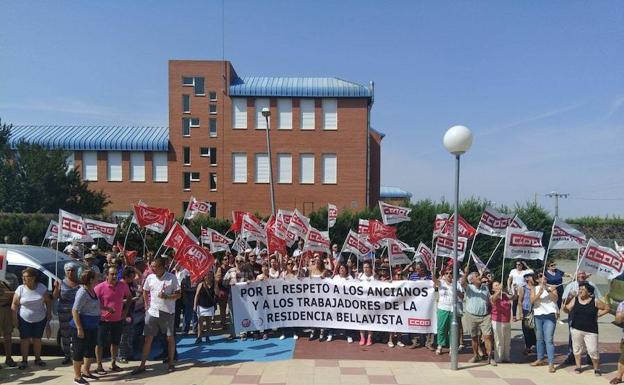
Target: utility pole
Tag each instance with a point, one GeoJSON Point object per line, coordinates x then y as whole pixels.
{"type": "Point", "coordinates": [557, 195]}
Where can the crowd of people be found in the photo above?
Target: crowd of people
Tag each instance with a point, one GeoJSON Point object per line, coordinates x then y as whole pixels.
{"type": "Point", "coordinates": [109, 301]}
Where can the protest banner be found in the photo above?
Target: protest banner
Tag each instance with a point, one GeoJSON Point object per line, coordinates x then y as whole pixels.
{"type": "Point", "coordinates": [378, 231]}
{"type": "Point", "coordinates": [464, 229]}
{"type": "Point", "coordinates": [400, 306]}
{"type": "Point", "coordinates": [315, 241]}
{"type": "Point", "coordinates": [156, 219]}
{"type": "Point", "coordinates": [52, 231]}
{"type": "Point", "coordinates": [252, 230]}
{"type": "Point", "coordinates": [523, 244]}
{"type": "Point", "coordinates": [426, 255]}
{"type": "Point", "coordinates": [601, 260]}
{"type": "Point", "coordinates": [196, 207]}
{"type": "Point", "coordinates": [215, 239]}
{"type": "Point", "coordinates": [439, 223]}
{"type": "Point", "coordinates": [299, 224]}
{"type": "Point", "coordinates": [72, 228]}
{"type": "Point", "coordinates": [396, 252]}
{"type": "Point", "coordinates": [494, 223]}
{"type": "Point", "coordinates": [99, 229]}
{"type": "Point", "coordinates": [391, 214]}
{"type": "Point", "coordinates": [358, 245]}
{"type": "Point", "coordinates": [564, 236]}
{"type": "Point", "coordinates": [445, 245]}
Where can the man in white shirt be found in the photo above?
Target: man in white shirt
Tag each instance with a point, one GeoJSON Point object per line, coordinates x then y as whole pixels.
{"type": "Point", "coordinates": [161, 289]}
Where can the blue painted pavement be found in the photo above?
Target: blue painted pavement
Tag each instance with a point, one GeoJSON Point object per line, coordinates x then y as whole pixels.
{"type": "Point", "coordinates": [222, 350]}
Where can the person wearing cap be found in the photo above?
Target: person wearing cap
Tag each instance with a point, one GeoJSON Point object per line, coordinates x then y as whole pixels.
{"type": "Point", "coordinates": [65, 291]}
{"type": "Point", "coordinates": [90, 261]}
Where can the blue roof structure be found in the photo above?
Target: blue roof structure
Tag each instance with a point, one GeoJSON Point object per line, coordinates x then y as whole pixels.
{"type": "Point", "coordinates": [394, 192]}
{"type": "Point", "coordinates": [298, 87]}
{"type": "Point", "coordinates": [96, 138]}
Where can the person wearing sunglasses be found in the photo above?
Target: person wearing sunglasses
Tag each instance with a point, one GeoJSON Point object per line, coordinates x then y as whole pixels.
{"type": "Point", "coordinates": [515, 281]}
{"type": "Point", "coordinates": [444, 285]}
{"type": "Point", "coordinates": [555, 278]}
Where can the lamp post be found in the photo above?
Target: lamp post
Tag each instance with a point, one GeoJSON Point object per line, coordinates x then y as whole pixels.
{"type": "Point", "coordinates": [457, 141]}
{"type": "Point", "coordinates": [267, 114]}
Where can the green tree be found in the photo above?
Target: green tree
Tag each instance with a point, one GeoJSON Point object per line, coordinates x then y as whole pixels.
{"type": "Point", "coordinates": [34, 179]}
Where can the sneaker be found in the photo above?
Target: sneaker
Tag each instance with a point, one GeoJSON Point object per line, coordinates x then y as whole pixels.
{"type": "Point", "coordinates": [400, 344]}
{"type": "Point", "coordinates": [370, 341]}
{"type": "Point", "coordinates": [10, 363]}
{"type": "Point", "coordinates": [321, 337]}
{"type": "Point", "coordinates": [597, 373]}
{"type": "Point", "coordinates": [349, 340]}
{"type": "Point", "coordinates": [460, 347]}
{"type": "Point", "coordinates": [551, 369]}
{"type": "Point", "coordinates": [295, 337]}
{"type": "Point", "coordinates": [122, 360]}
{"type": "Point", "coordinates": [492, 362]}
{"type": "Point", "coordinates": [438, 350]}
{"type": "Point", "coordinates": [390, 344]}
{"type": "Point", "coordinates": [283, 337]}
{"type": "Point", "coordinates": [362, 341]}
{"type": "Point", "coordinates": [81, 381]}
{"type": "Point", "coordinates": [329, 338]}
{"type": "Point", "coordinates": [311, 336]}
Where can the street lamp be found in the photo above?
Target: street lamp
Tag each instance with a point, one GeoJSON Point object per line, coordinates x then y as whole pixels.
{"type": "Point", "coordinates": [267, 114]}
{"type": "Point", "coordinates": [457, 141]}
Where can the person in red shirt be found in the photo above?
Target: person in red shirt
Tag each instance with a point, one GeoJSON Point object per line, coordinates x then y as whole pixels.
{"type": "Point", "coordinates": [501, 322]}
{"type": "Point", "coordinates": [111, 294]}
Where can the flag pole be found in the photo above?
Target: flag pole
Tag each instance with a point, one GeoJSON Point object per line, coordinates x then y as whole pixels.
{"type": "Point", "coordinates": [470, 252]}
{"type": "Point", "coordinates": [127, 232]}
{"type": "Point", "coordinates": [548, 248]}
{"type": "Point", "coordinates": [493, 252]}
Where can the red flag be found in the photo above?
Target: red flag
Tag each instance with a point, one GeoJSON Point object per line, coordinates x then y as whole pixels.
{"type": "Point", "coordinates": [177, 235]}
{"type": "Point", "coordinates": [275, 243]}
{"type": "Point", "coordinates": [237, 220]}
{"type": "Point", "coordinates": [194, 258]}
{"type": "Point", "coordinates": [378, 231]}
{"type": "Point", "coordinates": [156, 219]}
{"type": "Point", "coordinates": [130, 255]}
{"type": "Point", "coordinates": [464, 229]}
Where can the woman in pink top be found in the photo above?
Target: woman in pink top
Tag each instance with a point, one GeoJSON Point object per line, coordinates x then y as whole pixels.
{"type": "Point", "coordinates": [501, 326]}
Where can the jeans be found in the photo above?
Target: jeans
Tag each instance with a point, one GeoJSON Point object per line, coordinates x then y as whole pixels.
{"type": "Point", "coordinates": [544, 331]}
{"type": "Point", "coordinates": [189, 312]}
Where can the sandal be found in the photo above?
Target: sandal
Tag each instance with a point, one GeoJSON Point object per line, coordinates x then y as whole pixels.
{"type": "Point", "coordinates": [116, 368]}
{"type": "Point", "coordinates": [615, 381]}
{"type": "Point", "coordinates": [171, 369]}
{"type": "Point", "coordinates": [90, 376]}
{"type": "Point", "coordinates": [138, 370]}
{"type": "Point", "coordinates": [100, 371]}
{"type": "Point", "coordinates": [578, 370]}
{"type": "Point", "coordinates": [39, 362]}
{"type": "Point", "coordinates": [23, 365]}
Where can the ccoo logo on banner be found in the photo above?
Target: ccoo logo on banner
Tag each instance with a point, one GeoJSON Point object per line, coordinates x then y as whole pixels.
{"type": "Point", "coordinates": [400, 306]}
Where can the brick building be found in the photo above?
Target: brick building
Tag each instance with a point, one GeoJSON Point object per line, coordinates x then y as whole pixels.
{"type": "Point", "coordinates": [215, 149]}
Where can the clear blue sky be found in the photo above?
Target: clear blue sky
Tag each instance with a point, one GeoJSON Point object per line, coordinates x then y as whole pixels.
{"type": "Point", "coordinates": [540, 83]}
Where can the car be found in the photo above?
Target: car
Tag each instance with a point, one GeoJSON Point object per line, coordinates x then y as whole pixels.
{"type": "Point", "coordinates": [50, 264]}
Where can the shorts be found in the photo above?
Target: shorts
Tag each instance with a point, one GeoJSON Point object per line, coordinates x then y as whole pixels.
{"type": "Point", "coordinates": [109, 333]}
{"type": "Point", "coordinates": [163, 324]}
{"type": "Point", "coordinates": [621, 359]}
{"type": "Point", "coordinates": [6, 320]}
{"type": "Point", "coordinates": [83, 347]}
{"type": "Point", "coordinates": [474, 323]}
{"type": "Point", "coordinates": [30, 329]}
{"type": "Point", "coordinates": [205, 311]}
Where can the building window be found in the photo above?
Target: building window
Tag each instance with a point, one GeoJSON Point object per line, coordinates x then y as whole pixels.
{"type": "Point", "coordinates": [307, 114]}
{"type": "Point", "coordinates": [213, 127]}
{"type": "Point", "coordinates": [160, 167]}
{"type": "Point", "coordinates": [239, 167]}
{"type": "Point", "coordinates": [187, 156]}
{"type": "Point", "coordinates": [186, 127]}
{"type": "Point", "coordinates": [284, 168]}
{"type": "Point", "coordinates": [212, 95]}
{"type": "Point", "coordinates": [262, 168]}
{"type": "Point", "coordinates": [213, 181]}
{"type": "Point", "coordinates": [306, 172]}
{"type": "Point", "coordinates": [204, 152]}
{"type": "Point", "coordinates": [195, 177]}
{"type": "Point", "coordinates": [89, 166]}
{"type": "Point", "coordinates": [186, 104]}
{"type": "Point", "coordinates": [330, 167]}
{"type": "Point", "coordinates": [213, 209]}
{"type": "Point", "coordinates": [212, 108]}
{"type": "Point", "coordinates": [199, 86]}
{"type": "Point", "coordinates": [186, 181]}
{"type": "Point", "coordinates": [239, 112]}
{"type": "Point", "coordinates": [330, 114]}
{"type": "Point", "coordinates": [194, 123]}
{"type": "Point", "coordinates": [188, 81]}
{"type": "Point", "coordinates": [137, 166]}
{"type": "Point", "coordinates": [114, 166]}
{"type": "Point", "coordinates": [261, 103]}
{"type": "Point", "coordinates": [213, 156]}
{"type": "Point", "coordinates": [284, 114]}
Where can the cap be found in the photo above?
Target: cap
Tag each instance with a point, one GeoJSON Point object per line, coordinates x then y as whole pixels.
{"type": "Point", "coordinates": [94, 247]}
{"type": "Point", "coordinates": [89, 256]}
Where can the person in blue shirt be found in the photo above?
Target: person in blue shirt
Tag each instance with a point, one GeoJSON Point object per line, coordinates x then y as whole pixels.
{"type": "Point", "coordinates": [555, 277]}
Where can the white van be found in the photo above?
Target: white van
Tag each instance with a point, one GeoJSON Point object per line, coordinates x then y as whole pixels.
{"type": "Point", "coordinates": [50, 264]}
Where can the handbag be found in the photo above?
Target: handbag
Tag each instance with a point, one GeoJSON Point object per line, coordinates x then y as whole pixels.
{"type": "Point", "coordinates": [529, 320]}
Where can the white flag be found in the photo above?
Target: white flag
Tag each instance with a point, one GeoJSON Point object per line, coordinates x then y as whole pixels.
{"type": "Point", "coordinates": [494, 223]}
{"type": "Point", "coordinates": [252, 231]}
{"type": "Point", "coordinates": [99, 229]}
{"type": "Point", "coordinates": [518, 224]}
{"type": "Point", "coordinates": [52, 231]}
{"type": "Point", "coordinates": [216, 240]}
{"type": "Point", "coordinates": [332, 214]}
{"type": "Point", "coordinates": [240, 244]}
{"type": "Point", "coordinates": [299, 224]}
{"type": "Point", "coordinates": [396, 253]}
{"type": "Point", "coordinates": [523, 244]}
{"type": "Point", "coordinates": [478, 262]}
{"type": "Point", "coordinates": [196, 207]}
{"type": "Point", "coordinates": [391, 214]}
{"type": "Point", "coordinates": [618, 248]}
{"type": "Point", "coordinates": [439, 223]}
{"type": "Point", "coordinates": [357, 245]}
{"type": "Point", "coordinates": [316, 241]}
{"type": "Point", "coordinates": [565, 236]}
{"type": "Point", "coordinates": [282, 222]}
{"type": "Point", "coordinates": [601, 260]}
{"type": "Point", "coordinates": [426, 255]}
{"type": "Point", "coordinates": [444, 247]}
{"type": "Point", "coordinates": [72, 228]}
